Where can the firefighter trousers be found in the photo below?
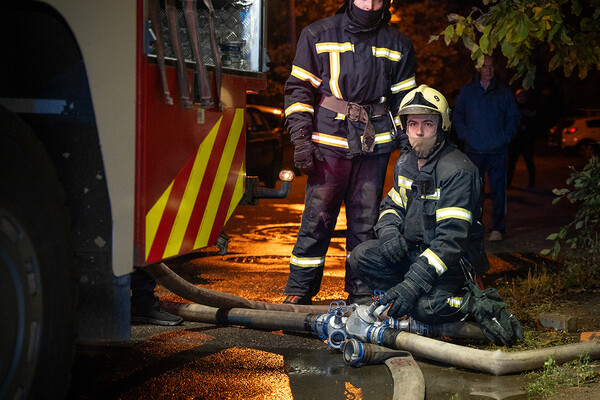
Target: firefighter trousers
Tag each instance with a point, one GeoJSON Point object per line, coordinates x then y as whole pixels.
{"type": "Point", "coordinates": [356, 182]}
{"type": "Point", "coordinates": [440, 305]}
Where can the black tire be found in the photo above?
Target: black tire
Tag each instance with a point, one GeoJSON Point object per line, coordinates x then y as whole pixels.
{"type": "Point", "coordinates": [38, 291]}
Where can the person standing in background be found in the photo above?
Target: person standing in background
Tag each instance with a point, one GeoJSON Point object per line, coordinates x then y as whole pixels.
{"type": "Point", "coordinates": [349, 75]}
{"type": "Point", "coordinates": [486, 118]}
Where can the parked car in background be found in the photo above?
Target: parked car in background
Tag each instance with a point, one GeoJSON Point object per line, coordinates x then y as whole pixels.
{"type": "Point", "coordinates": [581, 135]}
{"type": "Point", "coordinates": [268, 149]}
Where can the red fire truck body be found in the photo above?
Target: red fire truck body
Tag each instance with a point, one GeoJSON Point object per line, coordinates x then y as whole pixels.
{"type": "Point", "coordinates": [122, 144]}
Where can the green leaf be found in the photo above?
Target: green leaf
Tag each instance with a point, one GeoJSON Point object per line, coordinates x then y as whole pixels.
{"type": "Point", "coordinates": [568, 69]}
{"type": "Point", "coordinates": [552, 236]}
{"type": "Point", "coordinates": [470, 44]}
{"type": "Point", "coordinates": [554, 62]}
{"type": "Point", "coordinates": [562, 233]}
{"type": "Point", "coordinates": [448, 34]}
{"type": "Point", "coordinates": [479, 56]}
{"type": "Point", "coordinates": [565, 38]}
{"type": "Point", "coordinates": [479, 26]}
{"type": "Point", "coordinates": [579, 225]}
{"type": "Point", "coordinates": [576, 7]}
{"type": "Point", "coordinates": [433, 38]}
{"type": "Point", "coordinates": [555, 250]}
{"type": "Point", "coordinates": [484, 43]}
{"type": "Point", "coordinates": [560, 192]}
{"type": "Point", "coordinates": [508, 49]}
{"type": "Point", "coordinates": [583, 71]}
{"type": "Point", "coordinates": [545, 252]}
{"type": "Point", "coordinates": [522, 31]}
{"type": "Point", "coordinates": [460, 27]}
{"type": "Point", "coordinates": [529, 79]}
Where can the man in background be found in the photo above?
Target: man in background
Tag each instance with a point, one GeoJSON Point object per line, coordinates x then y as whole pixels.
{"type": "Point", "coordinates": [486, 118]}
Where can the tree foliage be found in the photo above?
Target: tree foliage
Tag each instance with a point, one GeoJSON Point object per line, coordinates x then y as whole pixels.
{"type": "Point", "coordinates": [442, 67]}
{"type": "Point", "coordinates": [567, 30]}
{"type": "Point", "coordinates": [579, 241]}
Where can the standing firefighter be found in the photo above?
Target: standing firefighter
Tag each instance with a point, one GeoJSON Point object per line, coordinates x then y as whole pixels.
{"type": "Point", "coordinates": [348, 78]}
{"type": "Point", "coordinates": [430, 238]}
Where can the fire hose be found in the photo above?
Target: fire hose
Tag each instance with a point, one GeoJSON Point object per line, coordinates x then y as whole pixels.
{"type": "Point", "coordinates": [184, 289]}
{"type": "Point", "coordinates": [338, 330]}
{"type": "Point", "coordinates": [363, 334]}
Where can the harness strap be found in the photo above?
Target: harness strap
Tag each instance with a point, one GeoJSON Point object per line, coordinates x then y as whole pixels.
{"type": "Point", "coordinates": [356, 112]}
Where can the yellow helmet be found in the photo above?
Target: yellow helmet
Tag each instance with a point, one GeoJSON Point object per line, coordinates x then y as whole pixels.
{"type": "Point", "coordinates": [425, 100]}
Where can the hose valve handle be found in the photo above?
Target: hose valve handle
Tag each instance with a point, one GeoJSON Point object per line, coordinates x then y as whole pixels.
{"type": "Point", "coordinates": [378, 294]}
{"type": "Point", "coordinates": [380, 309]}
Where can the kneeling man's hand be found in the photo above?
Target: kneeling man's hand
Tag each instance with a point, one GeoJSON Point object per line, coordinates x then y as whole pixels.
{"type": "Point", "coordinates": [392, 245]}
{"type": "Point", "coordinates": [403, 297]}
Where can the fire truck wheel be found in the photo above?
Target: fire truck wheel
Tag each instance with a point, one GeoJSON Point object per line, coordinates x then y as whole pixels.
{"type": "Point", "coordinates": [37, 270]}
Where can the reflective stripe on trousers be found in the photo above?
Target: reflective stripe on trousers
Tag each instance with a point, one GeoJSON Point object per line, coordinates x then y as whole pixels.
{"type": "Point", "coordinates": [356, 182]}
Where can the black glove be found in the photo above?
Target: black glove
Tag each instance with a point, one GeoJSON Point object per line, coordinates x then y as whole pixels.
{"type": "Point", "coordinates": [392, 244]}
{"type": "Point", "coordinates": [403, 297]}
{"type": "Point", "coordinates": [305, 153]}
{"type": "Point", "coordinates": [489, 310]}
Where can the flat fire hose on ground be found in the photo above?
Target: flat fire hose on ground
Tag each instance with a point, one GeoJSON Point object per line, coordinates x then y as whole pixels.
{"type": "Point", "coordinates": [335, 326]}
{"type": "Point", "coordinates": [409, 382]}
{"type": "Point", "coordinates": [493, 362]}
{"type": "Point", "coordinates": [179, 286]}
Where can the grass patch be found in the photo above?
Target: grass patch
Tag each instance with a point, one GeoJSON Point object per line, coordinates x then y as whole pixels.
{"type": "Point", "coordinates": [553, 376]}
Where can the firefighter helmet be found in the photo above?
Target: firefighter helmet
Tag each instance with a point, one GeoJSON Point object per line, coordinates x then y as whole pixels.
{"type": "Point", "coordinates": [425, 100]}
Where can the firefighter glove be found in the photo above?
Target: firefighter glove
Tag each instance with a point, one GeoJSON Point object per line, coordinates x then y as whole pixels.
{"type": "Point", "coordinates": [403, 297]}
{"type": "Point", "coordinates": [489, 310]}
{"type": "Point", "coordinates": [305, 156]}
{"type": "Point", "coordinates": [392, 245]}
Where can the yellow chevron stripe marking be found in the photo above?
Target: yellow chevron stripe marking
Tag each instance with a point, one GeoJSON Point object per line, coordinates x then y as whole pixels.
{"type": "Point", "coordinates": [214, 199]}
{"type": "Point", "coordinates": [238, 192]}
{"type": "Point", "coordinates": [186, 206]}
{"type": "Point", "coordinates": [153, 218]}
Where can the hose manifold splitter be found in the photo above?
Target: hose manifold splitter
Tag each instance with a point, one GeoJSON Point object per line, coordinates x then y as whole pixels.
{"type": "Point", "coordinates": [365, 323]}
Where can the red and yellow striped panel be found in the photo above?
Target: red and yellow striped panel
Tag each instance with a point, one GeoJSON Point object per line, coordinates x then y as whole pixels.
{"type": "Point", "coordinates": [191, 213]}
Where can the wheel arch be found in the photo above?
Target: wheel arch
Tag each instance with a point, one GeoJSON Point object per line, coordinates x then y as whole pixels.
{"type": "Point", "coordinates": [46, 85]}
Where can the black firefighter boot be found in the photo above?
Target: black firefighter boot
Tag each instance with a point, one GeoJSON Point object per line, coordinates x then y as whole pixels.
{"type": "Point", "coordinates": [147, 310]}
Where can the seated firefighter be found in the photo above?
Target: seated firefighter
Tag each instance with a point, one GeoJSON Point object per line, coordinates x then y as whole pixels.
{"type": "Point", "coordinates": [429, 244]}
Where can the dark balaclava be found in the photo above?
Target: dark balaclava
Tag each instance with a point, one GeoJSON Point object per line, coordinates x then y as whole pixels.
{"type": "Point", "coordinates": [364, 20]}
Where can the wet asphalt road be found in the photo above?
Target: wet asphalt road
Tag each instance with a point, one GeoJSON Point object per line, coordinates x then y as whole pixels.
{"type": "Point", "coordinates": [204, 361]}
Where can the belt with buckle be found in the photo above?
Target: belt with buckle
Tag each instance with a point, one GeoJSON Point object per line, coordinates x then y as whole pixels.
{"type": "Point", "coordinates": [356, 112]}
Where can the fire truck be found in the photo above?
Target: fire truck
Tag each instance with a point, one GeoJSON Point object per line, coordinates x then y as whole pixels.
{"type": "Point", "coordinates": [122, 144]}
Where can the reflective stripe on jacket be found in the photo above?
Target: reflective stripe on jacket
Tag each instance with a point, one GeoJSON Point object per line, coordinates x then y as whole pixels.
{"type": "Point", "coordinates": [366, 68]}
{"type": "Point", "coordinates": [438, 209]}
